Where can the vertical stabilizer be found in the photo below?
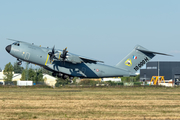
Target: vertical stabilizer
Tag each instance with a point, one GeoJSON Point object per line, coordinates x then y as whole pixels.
{"type": "Point", "coordinates": [138, 57]}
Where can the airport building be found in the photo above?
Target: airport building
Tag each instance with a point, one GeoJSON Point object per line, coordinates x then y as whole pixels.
{"type": "Point", "coordinates": [169, 69]}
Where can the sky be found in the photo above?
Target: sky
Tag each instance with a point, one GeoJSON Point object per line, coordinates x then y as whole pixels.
{"type": "Point", "coordinates": [105, 30]}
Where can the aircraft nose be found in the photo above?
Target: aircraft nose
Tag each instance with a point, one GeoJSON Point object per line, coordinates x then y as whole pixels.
{"type": "Point", "coordinates": [8, 48]}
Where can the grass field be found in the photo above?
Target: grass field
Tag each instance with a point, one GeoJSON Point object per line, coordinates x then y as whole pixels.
{"type": "Point", "coordinates": [90, 103]}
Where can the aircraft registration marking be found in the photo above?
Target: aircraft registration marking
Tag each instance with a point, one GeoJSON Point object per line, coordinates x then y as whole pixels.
{"type": "Point", "coordinates": [47, 59]}
{"type": "Point", "coordinates": [137, 67]}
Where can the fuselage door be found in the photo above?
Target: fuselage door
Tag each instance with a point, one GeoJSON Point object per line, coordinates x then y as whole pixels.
{"type": "Point", "coordinates": [27, 56]}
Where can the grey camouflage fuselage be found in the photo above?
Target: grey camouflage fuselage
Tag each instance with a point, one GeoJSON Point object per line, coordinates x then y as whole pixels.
{"type": "Point", "coordinates": [77, 66]}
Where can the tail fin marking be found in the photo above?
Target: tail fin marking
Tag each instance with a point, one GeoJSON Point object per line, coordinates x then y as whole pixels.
{"type": "Point", "coordinates": [137, 58]}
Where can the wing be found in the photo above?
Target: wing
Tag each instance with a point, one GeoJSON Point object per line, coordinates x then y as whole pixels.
{"type": "Point", "coordinates": [87, 60]}
{"type": "Point", "coordinates": [76, 58]}
{"type": "Point", "coordinates": [69, 57]}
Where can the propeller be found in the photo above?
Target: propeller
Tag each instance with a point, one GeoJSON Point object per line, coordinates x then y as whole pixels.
{"type": "Point", "coordinates": [64, 53]}
{"type": "Point", "coordinates": [51, 54]}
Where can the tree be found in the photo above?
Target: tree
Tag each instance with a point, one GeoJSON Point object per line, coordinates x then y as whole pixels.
{"type": "Point", "coordinates": [131, 79]}
{"type": "Point", "coordinates": [46, 71]}
{"type": "Point", "coordinates": [61, 81]}
{"type": "Point", "coordinates": [125, 79]}
{"type": "Point", "coordinates": [39, 76]}
{"type": "Point", "coordinates": [137, 78]}
{"type": "Point", "coordinates": [23, 75]}
{"type": "Point", "coordinates": [8, 72]}
{"type": "Point", "coordinates": [31, 74]}
{"type": "Point", "coordinates": [17, 68]}
{"type": "Point", "coordinates": [34, 75]}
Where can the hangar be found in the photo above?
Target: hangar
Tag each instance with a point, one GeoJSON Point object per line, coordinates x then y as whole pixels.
{"type": "Point", "coordinates": [169, 69]}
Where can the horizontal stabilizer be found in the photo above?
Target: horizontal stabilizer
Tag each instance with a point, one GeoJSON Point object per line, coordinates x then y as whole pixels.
{"type": "Point", "coordinates": [147, 51]}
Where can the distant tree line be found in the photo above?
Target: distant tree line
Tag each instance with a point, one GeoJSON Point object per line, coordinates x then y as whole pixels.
{"type": "Point", "coordinates": [35, 75]}
{"type": "Point", "coordinates": [131, 79]}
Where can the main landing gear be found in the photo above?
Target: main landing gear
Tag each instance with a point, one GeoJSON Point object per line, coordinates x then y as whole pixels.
{"type": "Point", "coordinates": [63, 76]}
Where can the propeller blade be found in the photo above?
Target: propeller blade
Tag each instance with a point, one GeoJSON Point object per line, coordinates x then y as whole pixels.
{"type": "Point", "coordinates": [64, 53]}
{"type": "Point", "coordinates": [51, 54]}
{"type": "Point", "coordinates": [53, 50]}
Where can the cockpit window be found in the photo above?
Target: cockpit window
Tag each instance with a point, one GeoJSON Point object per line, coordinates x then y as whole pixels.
{"type": "Point", "coordinates": [16, 43]}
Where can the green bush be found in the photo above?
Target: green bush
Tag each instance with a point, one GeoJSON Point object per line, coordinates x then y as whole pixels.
{"type": "Point", "coordinates": [137, 83]}
{"type": "Point", "coordinates": [88, 82]}
{"type": "Point", "coordinates": [120, 83]}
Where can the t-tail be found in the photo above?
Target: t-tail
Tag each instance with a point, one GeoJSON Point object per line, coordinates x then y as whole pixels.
{"type": "Point", "coordinates": [137, 58]}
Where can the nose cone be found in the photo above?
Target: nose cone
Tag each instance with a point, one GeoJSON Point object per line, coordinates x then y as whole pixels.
{"type": "Point", "coordinates": [8, 48]}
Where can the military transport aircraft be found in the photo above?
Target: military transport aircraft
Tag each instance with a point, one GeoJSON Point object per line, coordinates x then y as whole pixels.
{"type": "Point", "coordinates": [64, 64]}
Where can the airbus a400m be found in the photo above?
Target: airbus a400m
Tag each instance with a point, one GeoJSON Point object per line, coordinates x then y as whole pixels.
{"type": "Point", "coordinates": [64, 64]}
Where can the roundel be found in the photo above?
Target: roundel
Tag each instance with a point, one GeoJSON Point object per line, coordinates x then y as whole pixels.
{"type": "Point", "coordinates": [97, 70]}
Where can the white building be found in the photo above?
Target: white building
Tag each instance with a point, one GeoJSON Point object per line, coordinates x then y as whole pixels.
{"type": "Point", "coordinates": [16, 76]}
{"type": "Point", "coordinates": [49, 80]}
{"type": "Point", "coordinates": [2, 77]}
{"type": "Point", "coordinates": [111, 79]}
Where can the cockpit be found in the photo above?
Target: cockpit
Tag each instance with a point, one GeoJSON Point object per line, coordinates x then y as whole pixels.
{"type": "Point", "coordinates": [16, 43]}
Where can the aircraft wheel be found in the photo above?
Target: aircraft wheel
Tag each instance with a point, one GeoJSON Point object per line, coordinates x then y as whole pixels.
{"type": "Point", "coordinates": [54, 74]}
{"type": "Point", "coordinates": [71, 78]}
{"type": "Point", "coordinates": [70, 81]}
{"type": "Point", "coordinates": [19, 63]}
{"type": "Point", "coordinates": [59, 75]}
{"type": "Point", "coordinates": [65, 76]}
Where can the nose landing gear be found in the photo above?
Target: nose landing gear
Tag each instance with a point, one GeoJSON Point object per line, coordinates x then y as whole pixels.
{"type": "Point", "coordinates": [19, 62]}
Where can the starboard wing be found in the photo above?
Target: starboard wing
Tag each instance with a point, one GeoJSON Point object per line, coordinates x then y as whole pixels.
{"type": "Point", "coordinates": [87, 60]}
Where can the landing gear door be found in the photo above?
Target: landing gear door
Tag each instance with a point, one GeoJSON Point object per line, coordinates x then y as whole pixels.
{"type": "Point", "coordinates": [83, 70]}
